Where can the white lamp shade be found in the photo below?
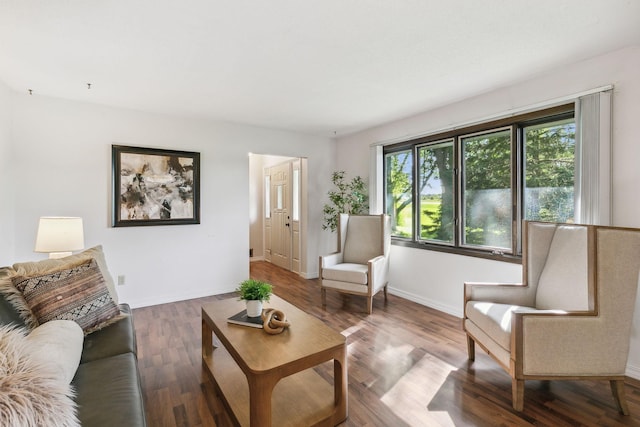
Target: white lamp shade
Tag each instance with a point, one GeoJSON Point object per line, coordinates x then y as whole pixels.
{"type": "Point", "coordinates": [59, 234]}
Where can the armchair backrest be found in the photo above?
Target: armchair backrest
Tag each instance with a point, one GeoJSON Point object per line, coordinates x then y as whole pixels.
{"type": "Point", "coordinates": [563, 283]}
{"type": "Point", "coordinates": [363, 237]}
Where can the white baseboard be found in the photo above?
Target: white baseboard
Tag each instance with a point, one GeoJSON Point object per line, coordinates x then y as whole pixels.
{"type": "Point", "coordinates": [633, 372]}
{"type": "Point", "coordinates": [454, 311]}
{"type": "Point", "coordinates": [256, 258]}
{"type": "Point", "coordinates": [309, 275]}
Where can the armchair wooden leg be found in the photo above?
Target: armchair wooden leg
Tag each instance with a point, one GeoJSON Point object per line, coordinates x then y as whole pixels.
{"type": "Point", "coordinates": [385, 293]}
{"type": "Point", "coordinates": [617, 388]}
{"type": "Point", "coordinates": [471, 348]}
{"type": "Point", "coordinates": [323, 293]}
{"type": "Point", "coordinates": [517, 392]}
{"type": "Point", "coordinates": [369, 304]}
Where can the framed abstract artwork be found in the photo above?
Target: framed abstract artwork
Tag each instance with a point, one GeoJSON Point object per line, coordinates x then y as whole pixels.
{"type": "Point", "coordinates": [155, 186]}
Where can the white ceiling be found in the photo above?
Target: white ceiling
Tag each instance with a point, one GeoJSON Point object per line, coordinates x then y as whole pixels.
{"type": "Point", "coordinates": [314, 66]}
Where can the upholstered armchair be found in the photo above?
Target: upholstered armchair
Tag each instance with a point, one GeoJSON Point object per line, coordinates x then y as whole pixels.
{"type": "Point", "coordinates": [361, 264]}
{"type": "Point", "coordinates": [571, 317]}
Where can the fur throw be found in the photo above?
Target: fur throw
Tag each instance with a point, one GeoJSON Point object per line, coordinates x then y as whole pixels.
{"type": "Point", "coordinates": [30, 393]}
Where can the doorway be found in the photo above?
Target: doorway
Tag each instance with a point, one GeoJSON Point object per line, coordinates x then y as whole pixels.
{"type": "Point", "coordinates": [278, 198]}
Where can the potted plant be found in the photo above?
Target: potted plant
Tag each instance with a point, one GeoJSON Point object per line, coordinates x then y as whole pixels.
{"type": "Point", "coordinates": [254, 292]}
{"type": "Point", "coordinates": [347, 197]}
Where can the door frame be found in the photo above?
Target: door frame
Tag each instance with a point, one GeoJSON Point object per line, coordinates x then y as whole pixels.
{"type": "Point", "coordinates": [298, 253]}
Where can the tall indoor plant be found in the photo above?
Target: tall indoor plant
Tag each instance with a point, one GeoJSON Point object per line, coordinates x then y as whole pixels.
{"type": "Point", "coordinates": [347, 197]}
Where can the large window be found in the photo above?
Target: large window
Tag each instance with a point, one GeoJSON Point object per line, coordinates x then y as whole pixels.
{"type": "Point", "coordinates": [437, 192]}
{"type": "Point", "coordinates": [468, 190]}
{"type": "Point", "coordinates": [549, 171]}
{"type": "Point", "coordinates": [486, 189]}
{"type": "Point", "coordinates": [399, 192]}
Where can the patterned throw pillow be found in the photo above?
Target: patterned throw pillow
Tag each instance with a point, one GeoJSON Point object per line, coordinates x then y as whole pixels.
{"type": "Point", "coordinates": [78, 293]}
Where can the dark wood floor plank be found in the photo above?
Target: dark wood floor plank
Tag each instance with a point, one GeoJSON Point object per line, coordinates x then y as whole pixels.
{"type": "Point", "coordinates": [407, 367]}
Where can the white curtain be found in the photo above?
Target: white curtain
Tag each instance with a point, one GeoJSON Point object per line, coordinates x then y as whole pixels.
{"type": "Point", "coordinates": [593, 159]}
{"type": "Point", "coordinates": [376, 180]}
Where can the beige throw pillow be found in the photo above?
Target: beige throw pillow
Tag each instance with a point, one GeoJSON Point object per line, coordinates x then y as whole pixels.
{"type": "Point", "coordinates": [58, 343]}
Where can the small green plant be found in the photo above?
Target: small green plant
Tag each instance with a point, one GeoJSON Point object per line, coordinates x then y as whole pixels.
{"type": "Point", "coordinates": [252, 289]}
{"type": "Point", "coordinates": [347, 197]}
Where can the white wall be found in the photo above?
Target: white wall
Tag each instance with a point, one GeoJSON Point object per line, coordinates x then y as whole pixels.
{"type": "Point", "coordinates": [62, 163]}
{"type": "Point", "coordinates": [256, 206]}
{"type": "Point", "coordinates": [7, 187]}
{"type": "Point", "coordinates": [441, 275]}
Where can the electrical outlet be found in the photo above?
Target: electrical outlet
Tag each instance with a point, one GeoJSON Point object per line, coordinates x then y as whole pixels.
{"type": "Point", "coordinates": [121, 280]}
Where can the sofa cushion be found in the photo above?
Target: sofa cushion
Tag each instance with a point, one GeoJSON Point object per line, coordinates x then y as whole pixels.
{"type": "Point", "coordinates": [31, 394]}
{"type": "Point", "coordinates": [118, 338]}
{"type": "Point", "coordinates": [45, 266]}
{"type": "Point", "coordinates": [347, 272]}
{"type": "Point", "coordinates": [109, 393]}
{"type": "Point", "coordinates": [58, 343]}
{"type": "Point", "coordinates": [78, 293]}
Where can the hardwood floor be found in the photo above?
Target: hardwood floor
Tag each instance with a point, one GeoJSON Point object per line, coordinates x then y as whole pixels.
{"type": "Point", "coordinates": [407, 367]}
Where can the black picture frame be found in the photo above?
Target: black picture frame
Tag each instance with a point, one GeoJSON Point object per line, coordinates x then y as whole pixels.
{"type": "Point", "coordinates": [153, 186]}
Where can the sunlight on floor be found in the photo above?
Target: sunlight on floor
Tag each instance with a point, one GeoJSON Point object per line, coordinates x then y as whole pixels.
{"type": "Point", "coordinates": [414, 391]}
{"type": "Point", "coordinates": [353, 329]}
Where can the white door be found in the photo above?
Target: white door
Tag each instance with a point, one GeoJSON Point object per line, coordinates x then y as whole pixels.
{"type": "Point", "coordinates": [281, 215]}
{"type": "Point", "coordinates": [284, 214]}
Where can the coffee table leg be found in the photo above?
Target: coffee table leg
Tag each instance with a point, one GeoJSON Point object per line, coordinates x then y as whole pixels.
{"type": "Point", "coordinates": [260, 391]}
{"type": "Point", "coordinates": [207, 339]}
{"type": "Point", "coordinates": [341, 385]}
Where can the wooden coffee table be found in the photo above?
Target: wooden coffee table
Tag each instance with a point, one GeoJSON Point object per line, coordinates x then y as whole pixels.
{"type": "Point", "coordinates": [266, 380]}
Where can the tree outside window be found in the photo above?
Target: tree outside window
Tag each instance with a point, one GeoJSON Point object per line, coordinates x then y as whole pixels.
{"type": "Point", "coordinates": [550, 171]}
{"type": "Point", "coordinates": [437, 192]}
{"type": "Point", "coordinates": [487, 189]}
{"type": "Point", "coordinates": [399, 192]}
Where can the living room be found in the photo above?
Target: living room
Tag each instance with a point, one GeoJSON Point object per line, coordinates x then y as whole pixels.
{"type": "Point", "coordinates": [55, 159]}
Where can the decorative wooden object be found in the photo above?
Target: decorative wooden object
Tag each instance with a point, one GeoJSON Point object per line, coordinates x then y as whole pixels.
{"type": "Point", "coordinates": [275, 321]}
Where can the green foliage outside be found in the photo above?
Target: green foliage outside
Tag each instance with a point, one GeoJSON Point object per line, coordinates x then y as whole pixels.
{"type": "Point", "coordinates": [252, 290]}
{"type": "Point", "coordinates": [347, 197]}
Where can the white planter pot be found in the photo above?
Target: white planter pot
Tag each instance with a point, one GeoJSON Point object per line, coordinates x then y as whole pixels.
{"type": "Point", "coordinates": [254, 308]}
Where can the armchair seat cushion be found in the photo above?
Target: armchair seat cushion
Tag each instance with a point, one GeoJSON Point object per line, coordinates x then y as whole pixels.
{"type": "Point", "coordinates": [494, 319]}
{"type": "Point", "coordinates": [347, 272]}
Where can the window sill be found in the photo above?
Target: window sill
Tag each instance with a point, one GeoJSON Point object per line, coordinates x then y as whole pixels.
{"type": "Point", "coordinates": [513, 259]}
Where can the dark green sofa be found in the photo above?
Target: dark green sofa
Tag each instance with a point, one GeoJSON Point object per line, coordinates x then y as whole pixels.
{"type": "Point", "coordinates": [107, 382]}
